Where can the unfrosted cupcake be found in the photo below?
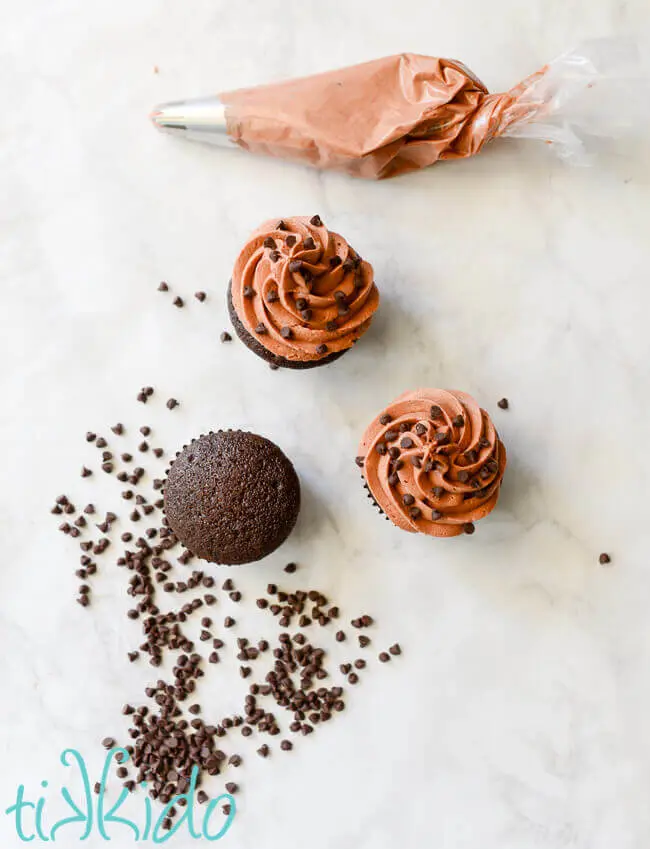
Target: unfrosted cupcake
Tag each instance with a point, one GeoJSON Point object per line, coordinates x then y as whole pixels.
{"type": "Point", "coordinates": [300, 296]}
{"type": "Point", "coordinates": [433, 462]}
{"type": "Point", "coordinates": [232, 497]}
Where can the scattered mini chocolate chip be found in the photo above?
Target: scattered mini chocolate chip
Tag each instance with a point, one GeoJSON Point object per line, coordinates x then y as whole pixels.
{"type": "Point", "coordinates": [503, 404]}
{"type": "Point", "coordinates": [85, 473]}
{"type": "Point", "coordinates": [172, 403]}
{"type": "Point", "coordinates": [90, 436]}
{"type": "Point", "coordinates": [178, 301]}
{"type": "Point", "coordinates": [316, 221]}
{"type": "Point", "coordinates": [468, 528]}
{"type": "Point", "coordinates": [364, 641]}
{"type": "Point", "coordinates": [101, 442]}
{"type": "Point", "coordinates": [163, 287]}
{"type": "Point", "coordinates": [286, 332]}
{"type": "Point", "coordinates": [226, 337]}
{"type": "Point", "coordinates": [309, 244]}
{"type": "Point", "coordinates": [395, 649]}
{"type": "Point", "coordinates": [200, 296]}
{"type": "Point", "coordinates": [604, 559]}
{"type": "Point", "coordinates": [321, 349]}
{"type": "Point", "coordinates": [384, 657]}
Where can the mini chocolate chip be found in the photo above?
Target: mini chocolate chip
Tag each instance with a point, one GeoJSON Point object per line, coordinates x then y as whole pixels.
{"type": "Point", "coordinates": [85, 472]}
{"type": "Point", "coordinates": [407, 442]}
{"type": "Point", "coordinates": [353, 678]}
{"type": "Point", "coordinates": [309, 244]}
{"type": "Point", "coordinates": [172, 403]}
{"type": "Point", "coordinates": [163, 287]}
{"type": "Point", "coordinates": [178, 301]}
{"type": "Point", "coordinates": [503, 404]}
{"type": "Point", "coordinates": [248, 291]}
{"type": "Point", "coordinates": [604, 558]}
{"type": "Point", "coordinates": [322, 348]}
{"type": "Point", "coordinates": [436, 412]}
{"type": "Point", "coordinates": [306, 314]}
{"type": "Point", "coordinates": [260, 329]}
{"type": "Point", "coordinates": [200, 296]}
{"type": "Point", "coordinates": [384, 657]}
{"type": "Point", "coordinates": [359, 461]}
{"type": "Point", "coordinates": [286, 332]}
{"type": "Point", "coordinates": [408, 499]}
{"type": "Point", "coordinates": [441, 438]}
{"type": "Point", "coordinates": [290, 241]}
{"type": "Point", "coordinates": [435, 515]}
{"type": "Point", "coordinates": [468, 528]}
{"type": "Point", "coordinates": [395, 649]}
{"type": "Point", "coordinates": [90, 436]}
{"type": "Point", "coordinates": [295, 266]}
{"type": "Point", "coordinates": [269, 242]}
{"type": "Point", "coordinates": [415, 512]}
{"type": "Point", "coordinates": [316, 221]}
{"type": "Point", "coordinates": [364, 641]}
{"type": "Point", "coordinates": [458, 421]}
{"type": "Point", "coordinates": [335, 261]}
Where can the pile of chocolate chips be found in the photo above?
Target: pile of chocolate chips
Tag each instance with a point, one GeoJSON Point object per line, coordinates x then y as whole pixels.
{"type": "Point", "coordinates": [168, 734]}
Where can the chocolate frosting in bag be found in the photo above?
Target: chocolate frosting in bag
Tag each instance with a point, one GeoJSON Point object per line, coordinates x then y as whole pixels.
{"type": "Point", "coordinates": [377, 119]}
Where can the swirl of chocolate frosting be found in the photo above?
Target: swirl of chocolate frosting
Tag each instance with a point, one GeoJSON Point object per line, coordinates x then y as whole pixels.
{"type": "Point", "coordinates": [433, 462]}
{"type": "Point", "coordinates": [301, 291]}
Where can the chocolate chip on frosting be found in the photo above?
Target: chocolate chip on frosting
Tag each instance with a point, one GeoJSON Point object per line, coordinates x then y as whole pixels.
{"type": "Point", "coordinates": [385, 418]}
{"type": "Point", "coordinates": [290, 241]}
{"type": "Point", "coordinates": [335, 261]}
{"type": "Point", "coordinates": [295, 266]}
{"type": "Point", "coordinates": [316, 221]}
{"type": "Point", "coordinates": [322, 348]}
{"type": "Point", "coordinates": [436, 412]}
{"type": "Point", "coordinates": [408, 499]}
{"type": "Point", "coordinates": [286, 332]}
{"type": "Point", "coordinates": [309, 244]}
{"type": "Point", "coordinates": [458, 421]}
{"type": "Point", "coordinates": [260, 328]}
{"type": "Point", "coordinates": [407, 442]}
{"type": "Point", "coordinates": [269, 242]}
{"type": "Point", "coordinates": [248, 291]}
{"type": "Point", "coordinates": [306, 316]}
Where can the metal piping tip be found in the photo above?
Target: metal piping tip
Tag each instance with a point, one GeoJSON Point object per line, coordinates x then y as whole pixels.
{"type": "Point", "coordinates": [202, 119]}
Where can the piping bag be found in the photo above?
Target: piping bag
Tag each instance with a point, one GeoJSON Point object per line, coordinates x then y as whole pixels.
{"type": "Point", "coordinates": [405, 112]}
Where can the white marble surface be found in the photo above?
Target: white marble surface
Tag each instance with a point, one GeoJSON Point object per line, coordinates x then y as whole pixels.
{"type": "Point", "coordinates": [519, 714]}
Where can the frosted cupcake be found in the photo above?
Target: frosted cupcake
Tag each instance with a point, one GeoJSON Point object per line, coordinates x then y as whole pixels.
{"type": "Point", "coordinates": [433, 462]}
{"type": "Point", "coordinates": [300, 296]}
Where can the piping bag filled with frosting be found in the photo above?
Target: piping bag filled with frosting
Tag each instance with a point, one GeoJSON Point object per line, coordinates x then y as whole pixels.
{"type": "Point", "coordinates": [405, 112]}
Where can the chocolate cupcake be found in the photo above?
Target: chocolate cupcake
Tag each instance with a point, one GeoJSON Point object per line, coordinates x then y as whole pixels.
{"type": "Point", "coordinates": [299, 296]}
{"type": "Point", "coordinates": [232, 497]}
{"type": "Point", "coordinates": [433, 462]}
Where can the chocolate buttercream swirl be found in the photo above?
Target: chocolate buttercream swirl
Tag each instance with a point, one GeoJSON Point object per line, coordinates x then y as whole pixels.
{"type": "Point", "coordinates": [301, 291]}
{"type": "Point", "coordinates": [433, 462]}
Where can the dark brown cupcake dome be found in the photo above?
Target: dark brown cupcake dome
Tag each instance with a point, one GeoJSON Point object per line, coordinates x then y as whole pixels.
{"type": "Point", "coordinates": [238, 503]}
{"type": "Point", "coordinates": [257, 348]}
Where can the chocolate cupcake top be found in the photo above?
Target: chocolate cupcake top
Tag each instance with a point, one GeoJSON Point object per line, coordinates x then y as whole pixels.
{"type": "Point", "coordinates": [301, 290]}
{"type": "Point", "coordinates": [433, 462]}
{"type": "Point", "coordinates": [232, 497]}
